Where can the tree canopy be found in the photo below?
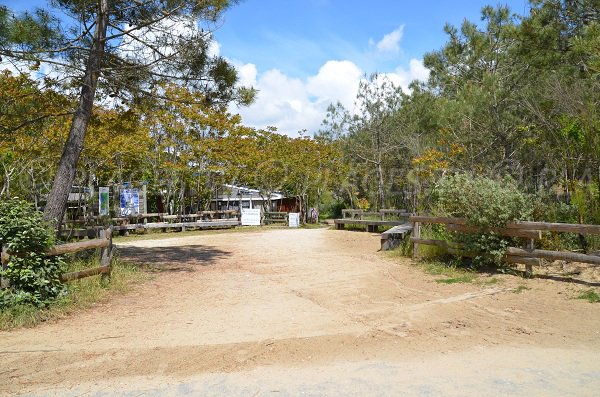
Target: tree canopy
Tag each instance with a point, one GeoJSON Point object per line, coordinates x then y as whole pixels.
{"type": "Point", "coordinates": [509, 95]}
{"type": "Point", "coordinates": [124, 49]}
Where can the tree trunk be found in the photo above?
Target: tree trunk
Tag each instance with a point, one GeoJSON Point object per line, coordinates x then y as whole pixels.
{"type": "Point", "coordinates": [380, 187]}
{"type": "Point", "coordinates": [182, 198]}
{"type": "Point", "coordinates": [65, 174]}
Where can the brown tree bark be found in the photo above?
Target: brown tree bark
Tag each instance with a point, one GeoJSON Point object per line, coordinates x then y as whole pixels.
{"type": "Point", "coordinates": [65, 174]}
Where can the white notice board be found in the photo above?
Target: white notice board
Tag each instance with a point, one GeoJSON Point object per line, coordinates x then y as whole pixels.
{"type": "Point", "coordinates": [294, 219]}
{"type": "Point", "coordinates": [250, 217]}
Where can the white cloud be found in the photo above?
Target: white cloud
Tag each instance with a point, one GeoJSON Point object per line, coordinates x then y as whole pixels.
{"type": "Point", "coordinates": [214, 48]}
{"type": "Point", "coordinates": [293, 104]}
{"type": "Point", "coordinates": [247, 74]}
{"type": "Point", "coordinates": [391, 41]}
{"type": "Point", "coordinates": [335, 80]}
{"type": "Point", "coordinates": [282, 102]}
{"type": "Point", "coordinates": [403, 77]}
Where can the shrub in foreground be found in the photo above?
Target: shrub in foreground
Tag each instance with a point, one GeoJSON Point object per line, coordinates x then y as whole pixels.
{"type": "Point", "coordinates": [485, 203]}
{"type": "Point", "coordinates": [34, 278]}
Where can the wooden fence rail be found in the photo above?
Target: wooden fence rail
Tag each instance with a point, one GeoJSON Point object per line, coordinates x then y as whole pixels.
{"type": "Point", "coordinates": [529, 230]}
{"type": "Point", "coordinates": [381, 214]}
{"type": "Point", "coordinates": [275, 217]}
{"type": "Point", "coordinates": [77, 227]}
{"type": "Point", "coordinates": [104, 242]}
{"type": "Point", "coordinates": [535, 226]}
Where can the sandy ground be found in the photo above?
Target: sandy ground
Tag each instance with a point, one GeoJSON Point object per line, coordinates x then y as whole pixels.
{"type": "Point", "coordinates": [308, 312]}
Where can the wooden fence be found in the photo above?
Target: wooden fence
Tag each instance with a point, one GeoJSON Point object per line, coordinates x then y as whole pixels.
{"type": "Point", "coordinates": [532, 231]}
{"type": "Point", "coordinates": [104, 242]}
{"type": "Point", "coordinates": [144, 222]}
{"type": "Point", "coordinates": [374, 220]}
{"type": "Point", "coordinates": [280, 218]}
{"type": "Point", "coordinates": [382, 214]}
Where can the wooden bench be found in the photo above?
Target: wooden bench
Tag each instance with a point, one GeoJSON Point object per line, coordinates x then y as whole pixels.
{"type": "Point", "coordinates": [392, 238]}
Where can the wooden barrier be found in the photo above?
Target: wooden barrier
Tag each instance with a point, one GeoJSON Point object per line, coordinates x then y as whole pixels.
{"type": "Point", "coordinates": [275, 217]}
{"type": "Point", "coordinates": [372, 226]}
{"type": "Point", "coordinates": [206, 216]}
{"type": "Point", "coordinates": [532, 226]}
{"type": "Point", "coordinates": [356, 217]}
{"type": "Point", "coordinates": [529, 230]}
{"type": "Point", "coordinates": [530, 234]}
{"type": "Point", "coordinates": [104, 242]}
{"type": "Point", "coordinates": [381, 214]}
{"type": "Point", "coordinates": [126, 227]}
{"type": "Point", "coordinates": [224, 223]}
{"type": "Point", "coordinates": [554, 255]}
{"type": "Point", "coordinates": [458, 250]}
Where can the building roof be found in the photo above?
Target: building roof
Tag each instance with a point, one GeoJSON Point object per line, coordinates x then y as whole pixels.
{"type": "Point", "coordinates": [235, 192]}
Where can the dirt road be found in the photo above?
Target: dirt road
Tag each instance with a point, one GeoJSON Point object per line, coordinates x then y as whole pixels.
{"type": "Point", "coordinates": [308, 312]}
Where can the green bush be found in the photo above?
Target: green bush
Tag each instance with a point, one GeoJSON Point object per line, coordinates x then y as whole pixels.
{"type": "Point", "coordinates": [485, 203]}
{"type": "Point", "coordinates": [34, 278]}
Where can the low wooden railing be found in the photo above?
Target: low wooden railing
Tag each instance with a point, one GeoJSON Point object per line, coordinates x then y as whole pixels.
{"type": "Point", "coordinates": [200, 220]}
{"type": "Point", "coordinates": [104, 242]}
{"type": "Point", "coordinates": [275, 218]}
{"type": "Point", "coordinates": [532, 231]}
{"type": "Point", "coordinates": [381, 214]}
{"type": "Point", "coordinates": [157, 216]}
{"type": "Point", "coordinates": [357, 218]}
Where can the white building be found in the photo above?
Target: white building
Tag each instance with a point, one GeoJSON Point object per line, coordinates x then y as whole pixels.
{"type": "Point", "coordinates": [231, 197]}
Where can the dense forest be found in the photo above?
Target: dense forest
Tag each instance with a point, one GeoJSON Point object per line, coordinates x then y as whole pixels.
{"type": "Point", "coordinates": [508, 96]}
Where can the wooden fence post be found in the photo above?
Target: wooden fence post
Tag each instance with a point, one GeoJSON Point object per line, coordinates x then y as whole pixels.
{"type": "Point", "coordinates": [416, 234]}
{"type": "Point", "coordinates": [529, 266]}
{"type": "Point", "coordinates": [106, 254]}
{"type": "Point", "coordinates": [4, 258]}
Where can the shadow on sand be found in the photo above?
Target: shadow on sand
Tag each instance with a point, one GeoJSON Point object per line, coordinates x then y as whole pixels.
{"type": "Point", "coordinates": [171, 259]}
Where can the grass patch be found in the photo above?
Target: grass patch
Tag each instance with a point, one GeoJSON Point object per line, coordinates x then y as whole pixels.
{"type": "Point", "coordinates": [520, 289]}
{"type": "Point", "coordinates": [453, 273]}
{"type": "Point", "coordinates": [590, 295]}
{"type": "Point", "coordinates": [454, 280]}
{"type": "Point", "coordinates": [81, 294]}
{"type": "Point", "coordinates": [491, 281]}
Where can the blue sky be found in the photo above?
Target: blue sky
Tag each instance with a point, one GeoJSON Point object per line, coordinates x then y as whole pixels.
{"type": "Point", "coordinates": [303, 55]}
{"type": "Point", "coordinates": [297, 37]}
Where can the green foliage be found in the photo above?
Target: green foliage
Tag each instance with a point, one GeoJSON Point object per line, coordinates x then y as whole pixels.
{"type": "Point", "coordinates": [485, 203]}
{"type": "Point", "coordinates": [453, 271]}
{"type": "Point", "coordinates": [506, 95]}
{"type": "Point", "coordinates": [585, 199]}
{"type": "Point", "coordinates": [34, 278]}
{"type": "Point", "coordinates": [520, 289]}
{"type": "Point", "coordinates": [590, 296]}
{"type": "Point", "coordinates": [81, 294]}
{"type": "Point", "coordinates": [332, 209]}
{"type": "Point", "coordinates": [454, 280]}
{"type": "Point", "coordinates": [434, 232]}
{"type": "Point", "coordinates": [547, 209]}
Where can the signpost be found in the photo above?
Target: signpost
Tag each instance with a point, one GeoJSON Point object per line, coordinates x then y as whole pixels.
{"type": "Point", "coordinates": [250, 217]}
{"type": "Point", "coordinates": [294, 219]}
{"type": "Point", "coordinates": [103, 207]}
{"type": "Point", "coordinates": [130, 202]}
